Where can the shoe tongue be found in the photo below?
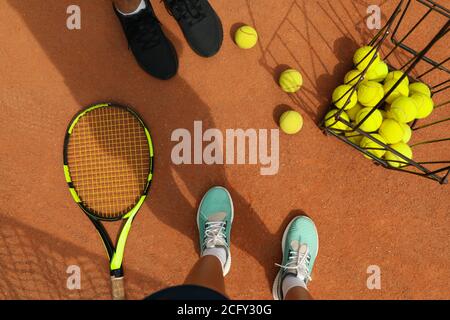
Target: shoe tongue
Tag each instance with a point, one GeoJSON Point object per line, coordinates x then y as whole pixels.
{"type": "Point", "coordinates": [295, 245]}
{"type": "Point", "coordinates": [301, 248]}
{"type": "Point", "coordinates": [219, 216]}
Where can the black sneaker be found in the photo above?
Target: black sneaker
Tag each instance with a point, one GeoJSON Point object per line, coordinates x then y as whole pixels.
{"type": "Point", "coordinates": [152, 50]}
{"type": "Point", "coordinates": [201, 25]}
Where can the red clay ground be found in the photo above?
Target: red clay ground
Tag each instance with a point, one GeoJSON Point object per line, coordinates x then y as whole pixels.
{"type": "Point", "coordinates": [365, 215]}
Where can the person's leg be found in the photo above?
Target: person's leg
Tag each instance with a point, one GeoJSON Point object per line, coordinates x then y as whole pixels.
{"type": "Point", "coordinates": [208, 273]}
{"type": "Point", "coordinates": [214, 220]}
{"type": "Point", "coordinates": [127, 6]}
{"type": "Point", "coordinates": [300, 245]}
{"type": "Point", "coordinates": [298, 293]}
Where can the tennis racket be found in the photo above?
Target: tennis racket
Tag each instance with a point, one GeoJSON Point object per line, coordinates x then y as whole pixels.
{"type": "Point", "coordinates": [108, 164]}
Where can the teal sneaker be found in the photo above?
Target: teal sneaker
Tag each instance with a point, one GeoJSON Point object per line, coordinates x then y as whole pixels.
{"type": "Point", "coordinates": [300, 245]}
{"type": "Point", "coordinates": [214, 219]}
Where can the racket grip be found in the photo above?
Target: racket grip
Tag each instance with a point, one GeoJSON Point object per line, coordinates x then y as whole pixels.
{"type": "Point", "coordinates": [118, 289]}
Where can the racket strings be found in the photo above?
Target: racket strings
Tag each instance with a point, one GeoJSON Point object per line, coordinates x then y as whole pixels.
{"type": "Point", "coordinates": [109, 161]}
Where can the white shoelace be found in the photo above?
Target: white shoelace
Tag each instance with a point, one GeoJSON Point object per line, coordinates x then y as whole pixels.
{"type": "Point", "coordinates": [299, 262]}
{"type": "Point", "coordinates": [215, 234]}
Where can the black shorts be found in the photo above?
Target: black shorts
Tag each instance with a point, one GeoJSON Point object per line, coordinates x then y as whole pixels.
{"type": "Point", "coordinates": [186, 292]}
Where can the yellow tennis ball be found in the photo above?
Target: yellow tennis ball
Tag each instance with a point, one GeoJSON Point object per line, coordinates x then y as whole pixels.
{"type": "Point", "coordinates": [402, 90]}
{"type": "Point", "coordinates": [354, 111]}
{"type": "Point", "coordinates": [397, 114]}
{"type": "Point", "coordinates": [291, 81]}
{"type": "Point", "coordinates": [391, 131]}
{"type": "Point", "coordinates": [363, 56]}
{"type": "Point", "coordinates": [407, 132]}
{"type": "Point", "coordinates": [419, 87]}
{"type": "Point", "coordinates": [373, 147]}
{"type": "Point", "coordinates": [372, 123]}
{"type": "Point", "coordinates": [352, 77]}
{"type": "Point", "coordinates": [246, 37]}
{"type": "Point", "coordinates": [396, 75]}
{"type": "Point", "coordinates": [425, 105]}
{"type": "Point", "coordinates": [403, 109]}
{"type": "Point", "coordinates": [332, 123]}
{"type": "Point", "coordinates": [378, 73]}
{"type": "Point", "coordinates": [370, 93]}
{"type": "Point", "coordinates": [291, 122]}
{"type": "Point", "coordinates": [394, 160]}
{"type": "Point", "coordinates": [354, 137]}
{"type": "Point", "coordinates": [343, 93]}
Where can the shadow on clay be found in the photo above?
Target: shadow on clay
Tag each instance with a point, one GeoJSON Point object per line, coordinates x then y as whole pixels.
{"type": "Point", "coordinates": [34, 266]}
{"type": "Point", "coordinates": [91, 62]}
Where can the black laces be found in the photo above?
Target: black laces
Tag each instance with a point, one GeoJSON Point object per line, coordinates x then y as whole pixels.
{"type": "Point", "coordinates": [142, 31]}
{"type": "Point", "coordinates": [190, 11]}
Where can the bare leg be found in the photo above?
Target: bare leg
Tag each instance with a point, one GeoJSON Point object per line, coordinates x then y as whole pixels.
{"type": "Point", "coordinates": [298, 293]}
{"type": "Point", "coordinates": [208, 273]}
{"type": "Point", "coordinates": [127, 6]}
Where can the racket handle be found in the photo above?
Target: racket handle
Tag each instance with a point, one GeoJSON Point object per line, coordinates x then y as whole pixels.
{"type": "Point", "coordinates": [118, 290]}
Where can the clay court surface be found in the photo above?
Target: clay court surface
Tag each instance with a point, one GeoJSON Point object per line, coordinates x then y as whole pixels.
{"type": "Point", "coordinates": [365, 215]}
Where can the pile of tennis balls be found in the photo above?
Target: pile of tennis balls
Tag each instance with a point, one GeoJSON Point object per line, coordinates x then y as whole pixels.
{"type": "Point", "coordinates": [390, 124]}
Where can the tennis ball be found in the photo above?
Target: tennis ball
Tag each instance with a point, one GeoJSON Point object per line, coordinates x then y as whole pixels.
{"type": "Point", "coordinates": [332, 123]}
{"type": "Point", "coordinates": [419, 87]}
{"type": "Point", "coordinates": [372, 123]}
{"type": "Point", "coordinates": [370, 93]}
{"type": "Point", "coordinates": [354, 111]}
{"type": "Point", "coordinates": [391, 131]}
{"type": "Point", "coordinates": [402, 90]}
{"type": "Point", "coordinates": [354, 137]}
{"type": "Point", "coordinates": [407, 132]}
{"type": "Point", "coordinates": [291, 122]}
{"type": "Point", "coordinates": [394, 160]}
{"type": "Point", "coordinates": [246, 37]}
{"type": "Point", "coordinates": [373, 147]}
{"type": "Point", "coordinates": [403, 109]}
{"type": "Point", "coordinates": [352, 77]}
{"type": "Point", "coordinates": [378, 73]}
{"type": "Point", "coordinates": [343, 93]}
{"type": "Point", "coordinates": [398, 115]}
{"type": "Point", "coordinates": [425, 105]}
{"type": "Point", "coordinates": [291, 81]}
{"type": "Point", "coordinates": [396, 75]}
{"type": "Point", "coordinates": [363, 56]}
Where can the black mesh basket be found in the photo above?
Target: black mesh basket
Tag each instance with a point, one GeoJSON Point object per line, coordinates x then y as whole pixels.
{"type": "Point", "coordinates": [398, 42]}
